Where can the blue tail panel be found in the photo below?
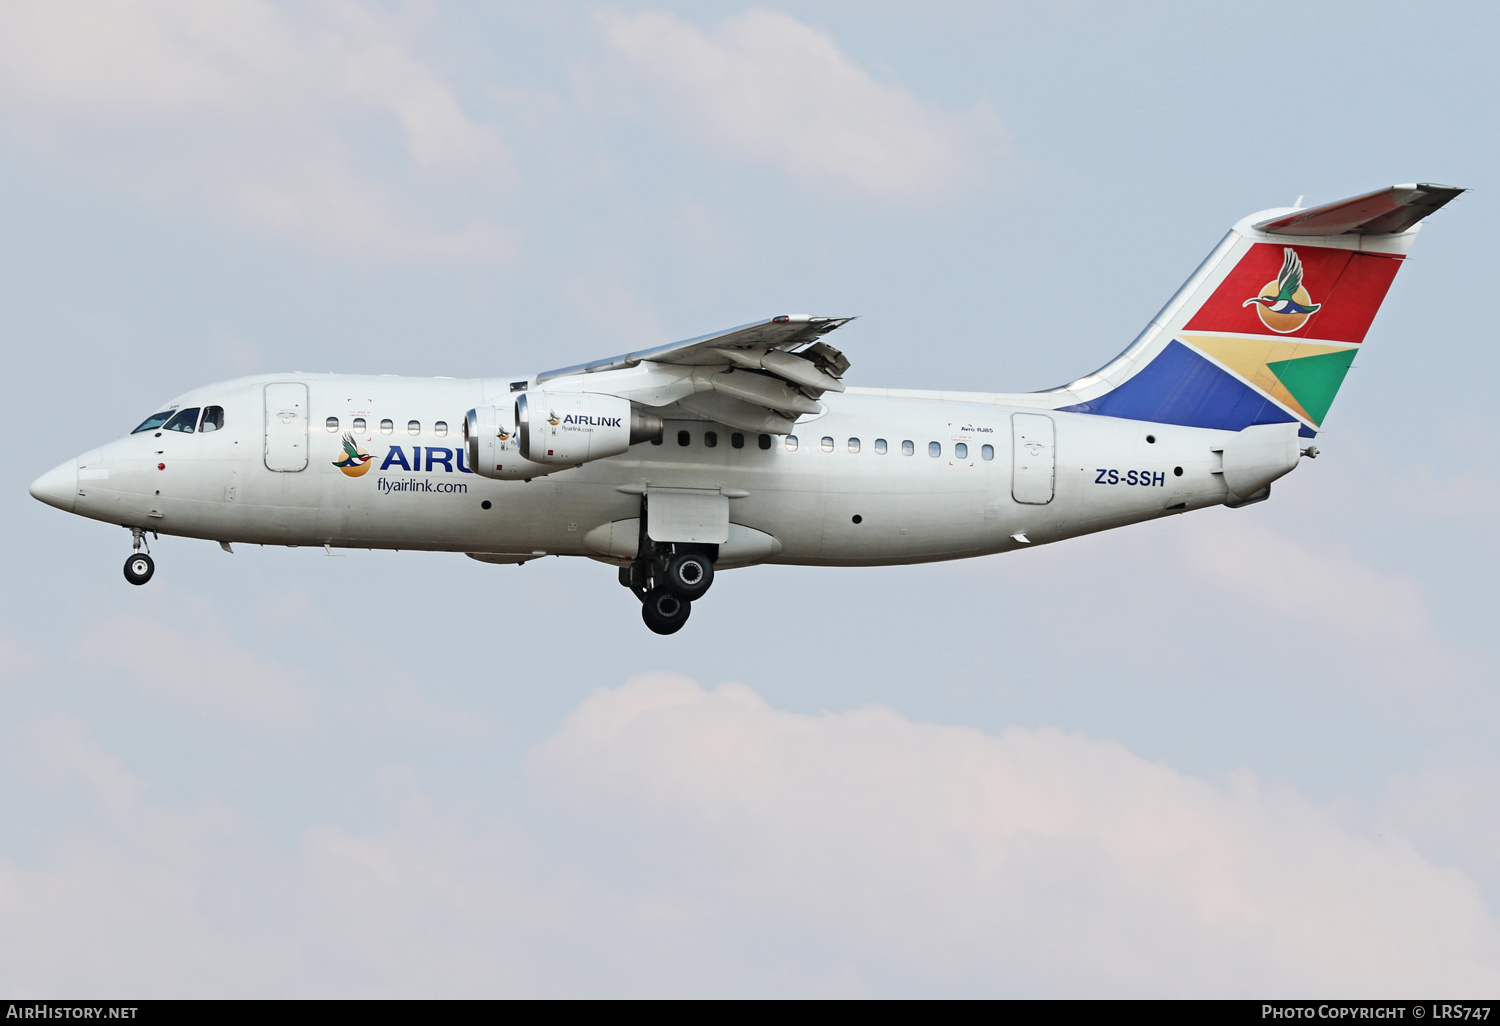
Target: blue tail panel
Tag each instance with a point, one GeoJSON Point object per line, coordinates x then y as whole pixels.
{"type": "Point", "coordinates": [1181, 387]}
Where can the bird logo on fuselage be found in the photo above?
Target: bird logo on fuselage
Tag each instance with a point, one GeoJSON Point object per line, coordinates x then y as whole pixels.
{"type": "Point", "coordinates": [1284, 305]}
{"type": "Point", "coordinates": [355, 461]}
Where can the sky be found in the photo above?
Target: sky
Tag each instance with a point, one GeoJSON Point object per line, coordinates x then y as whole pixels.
{"type": "Point", "coordinates": [1239, 753]}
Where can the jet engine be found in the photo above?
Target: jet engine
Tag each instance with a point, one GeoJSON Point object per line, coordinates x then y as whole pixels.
{"type": "Point", "coordinates": [569, 428]}
{"type": "Point", "coordinates": [542, 432]}
{"type": "Point", "coordinates": [495, 448]}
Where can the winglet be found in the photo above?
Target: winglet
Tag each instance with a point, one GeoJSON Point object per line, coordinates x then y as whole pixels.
{"type": "Point", "coordinates": [1383, 212]}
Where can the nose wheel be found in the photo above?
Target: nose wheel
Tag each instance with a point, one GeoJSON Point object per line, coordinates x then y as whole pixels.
{"type": "Point", "coordinates": [139, 568]}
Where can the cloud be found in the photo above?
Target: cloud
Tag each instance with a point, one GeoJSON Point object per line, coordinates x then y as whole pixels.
{"type": "Point", "coordinates": [202, 667]}
{"type": "Point", "coordinates": [767, 87]}
{"type": "Point", "coordinates": [1298, 581]}
{"type": "Point", "coordinates": [1452, 812]}
{"type": "Point", "coordinates": [692, 841]}
{"type": "Point", "coordinates": [1034, 862]}
{"type": "Point", "coordinates": [147, 900]}
{"type": "Point", "coordinates": [1312, 601]}
{"type": "Point", "coordinates": [254, 113]}
{"type": "Point", "coordinates": [60, 751]}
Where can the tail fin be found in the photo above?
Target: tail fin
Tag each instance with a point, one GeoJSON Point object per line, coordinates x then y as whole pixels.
{"type": "Point", "coordinates": [1267, 327]}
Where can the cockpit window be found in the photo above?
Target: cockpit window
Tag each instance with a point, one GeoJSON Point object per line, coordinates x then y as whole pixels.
{"type": "Point", "coordinates": [185, 421]}
{"type": "Point", "coordinates": [153, 422]}
{"type": "Point", "coordinates": [213, 418]}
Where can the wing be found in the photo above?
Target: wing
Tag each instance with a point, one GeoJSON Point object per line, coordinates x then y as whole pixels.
{"type": "Point", "coordinates": [758, 377]}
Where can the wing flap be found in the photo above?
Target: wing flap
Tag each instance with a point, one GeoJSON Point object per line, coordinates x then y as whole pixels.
{"type": "Point", "coordinates": [756, 377]}
{"type": "Point", "coordinates": [783, 333]}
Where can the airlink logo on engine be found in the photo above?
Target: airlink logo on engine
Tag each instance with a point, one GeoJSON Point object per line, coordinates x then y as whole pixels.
{"type": "Point", "coordinates": [583, 420]}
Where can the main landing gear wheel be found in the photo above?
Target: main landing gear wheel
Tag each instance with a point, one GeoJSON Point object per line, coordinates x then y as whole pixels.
{"type": "Point", "coordinates": [664, 612]}
{"type": "Point", "coordinates": [140, 567]}
{"type": "Point", "coordinates": [689, 575]}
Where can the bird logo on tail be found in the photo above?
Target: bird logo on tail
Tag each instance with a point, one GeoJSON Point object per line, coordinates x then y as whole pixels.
{"type": "Point", "coordinates": [1284, 305]}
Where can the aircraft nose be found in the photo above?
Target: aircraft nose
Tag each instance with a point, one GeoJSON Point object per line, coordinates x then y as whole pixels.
{"type": "Point", "coordinates": [58, 486]}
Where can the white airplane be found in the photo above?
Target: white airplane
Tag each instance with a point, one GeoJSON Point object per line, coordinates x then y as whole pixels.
{"type": "Point", "coordinates": [745, 446]}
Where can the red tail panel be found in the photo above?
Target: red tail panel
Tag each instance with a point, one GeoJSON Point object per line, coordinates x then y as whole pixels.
{"type": "Point", "coordinates": [1347, 287]}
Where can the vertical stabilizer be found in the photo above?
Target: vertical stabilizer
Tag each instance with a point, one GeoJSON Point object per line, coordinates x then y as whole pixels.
{"type": "Point", "coordinates": [1267, 327]}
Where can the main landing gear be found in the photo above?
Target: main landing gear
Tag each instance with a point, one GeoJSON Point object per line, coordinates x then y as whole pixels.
{"type": "Point", "coordinates": [140, 566]}
{"type": "Point", "coordinates": [667, 584]}
{"type": "Point", "coordinates": [664, 612]}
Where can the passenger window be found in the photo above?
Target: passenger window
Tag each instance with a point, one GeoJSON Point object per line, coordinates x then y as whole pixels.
{"type": "Point", "coordinates": [880, 447]}
{"type": "Point", "coordinates": [414, 427]}
{"type": "Point", "coordinates": [683, 438]}
{"type": "Point", "coordinates": [907, 448]}
{"type": "Point", "coordinates": [961, 451]}
{"type": "Point", "coordinates": [737, 440]}
{"type": "Point", "coordinates": [185, 421]}
{"type": "Point", "coordinates": [153, 422]}
{"type": "Point", "coordinates": [933, 449]}
{"type": "Point", "coordinates": [711, 439]}
{"type": "Point", "coordinates": [988, 452]}
{"type": "Point", "coordinates": [332, 424]}
{"type": "Point", "coordinates": [828, 443]}
{"type": "Point", "coordinates": [854, 445]}
{"type": "Point", "coordinates": [386, 427]}
{"type": "Point", "coordinates": [359, 424]}
{"type": "Point", "coordinates": [213, 418]}
{"type": "Point", "coordinates": [791, 443]}
{"type": "Point", "coordinates": [656, 440]}
{"type": "Point", "coordinates": [765, 441]}
{"type": "Point", "coordinates": [440, 428]}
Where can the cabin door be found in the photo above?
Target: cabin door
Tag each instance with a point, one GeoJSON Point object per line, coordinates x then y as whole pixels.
{"type": "Point", "coordinates": [286, 426]}
{"type": "Point", "coordinates": [1034, 460]}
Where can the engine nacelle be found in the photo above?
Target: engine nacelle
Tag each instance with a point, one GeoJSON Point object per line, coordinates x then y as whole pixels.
{"type": "Point", "coordinates": [495, 447]}
{"type": "Point", "coordinates": [542, 432]}
{"type": "Point", "coordinates": [569, 428]}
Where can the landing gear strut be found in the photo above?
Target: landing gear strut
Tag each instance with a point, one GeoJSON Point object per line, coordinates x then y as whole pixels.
{"type": "Point", "coordinates": [140, 566]}
{"type": "Point", "coordinates": [667, 583]}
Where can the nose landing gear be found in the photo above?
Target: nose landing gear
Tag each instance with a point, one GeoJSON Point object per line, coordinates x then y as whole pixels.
{"type": "Point", "coordinates": [140, 566]}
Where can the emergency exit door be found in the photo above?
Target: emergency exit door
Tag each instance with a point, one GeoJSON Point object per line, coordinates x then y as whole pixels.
{"type": "Point", "coordinates": [286, 426]}
{"type": "Point", "coordinates": [1034, 463]}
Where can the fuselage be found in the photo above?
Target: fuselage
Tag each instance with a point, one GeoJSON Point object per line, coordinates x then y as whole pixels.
{"type": "Point", "coordinates": [879, 477]}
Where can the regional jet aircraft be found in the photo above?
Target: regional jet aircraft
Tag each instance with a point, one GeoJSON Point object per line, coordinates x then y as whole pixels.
{"type": "Point", "coordinates": [746, 446]}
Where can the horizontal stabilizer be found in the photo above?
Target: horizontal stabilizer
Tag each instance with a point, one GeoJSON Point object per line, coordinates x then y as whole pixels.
{"type": "Point", "coordinates": [1383, 212]}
